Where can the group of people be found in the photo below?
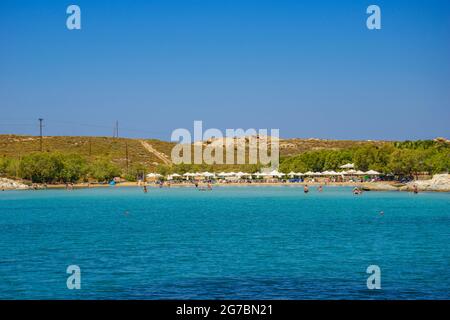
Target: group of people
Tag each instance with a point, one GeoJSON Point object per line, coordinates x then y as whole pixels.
{"type": "Point", "coordinates": [196, 185]}
{"type": "Point", "coordinates": [306, 188]}
{"type": "Point", "coordinates": [355, 191]}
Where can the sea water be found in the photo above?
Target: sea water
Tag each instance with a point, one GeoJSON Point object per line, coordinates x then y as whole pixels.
{"type": "Point", "coordinates": [228, 243]}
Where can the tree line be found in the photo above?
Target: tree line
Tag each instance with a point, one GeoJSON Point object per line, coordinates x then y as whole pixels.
{"type": "Point", "coordinates": [54, 167]}
{"type": "Point", "coordinates": [400, 158]}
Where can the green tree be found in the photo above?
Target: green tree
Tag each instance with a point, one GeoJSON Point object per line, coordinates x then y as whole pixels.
{"type": "Point", "coordinates": [137, 171]}
{"type": "Point", "coordinates": [4, 164]}
{"type": "Point", "coordinates": [439, 162]}
{"type": "Point", "coordinates": [75, 167]}
{"type": "Point", "coordinates": [408, 162]}
{"type": "Point", "coordinates": [103, 170]}
{"type": "Point", "coordinates": [41, 167]}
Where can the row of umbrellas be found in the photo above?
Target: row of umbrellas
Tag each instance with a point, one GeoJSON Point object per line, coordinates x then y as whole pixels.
{"type": "Point", "coordinates": [334, 173]}
{"type": "Point", "coordinates": [273, 173]}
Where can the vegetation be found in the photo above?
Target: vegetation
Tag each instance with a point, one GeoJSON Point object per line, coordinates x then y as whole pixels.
{"type": "Point", "coordinates": [43, 167]}
{"type": "Point", "coordinates": [104, 170]}
{"type": "Point", "coordinates": [402, 159]}
{"type": "Point", "coordinates": [123, 152]}
{"type": "Point", "coordinates": [52, 167]}
{"type": "Point", "coordinates": [74, 159]}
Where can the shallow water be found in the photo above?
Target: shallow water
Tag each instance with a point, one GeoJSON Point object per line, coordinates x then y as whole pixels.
{"type": "Point", "coordinates": [232, 242]}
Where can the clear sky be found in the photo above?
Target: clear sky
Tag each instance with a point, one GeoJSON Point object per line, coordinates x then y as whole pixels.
{"type": "Point", "coordinates": [308, 68]}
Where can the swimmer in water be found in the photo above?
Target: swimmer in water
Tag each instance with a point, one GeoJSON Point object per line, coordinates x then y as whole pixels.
{"type": "Point", "coordinates": [145, 189]}
{"type": "Point", "coordinates": [209, 186]}
{"type": "Point", "coordinates": [305, 189]}
{"type": "Point", "coordinates": [415, 189]}
{"type": "Point", "coordinates": [320, 188]}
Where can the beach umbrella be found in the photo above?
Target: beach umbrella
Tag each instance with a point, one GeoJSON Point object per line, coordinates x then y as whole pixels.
{"type": "Point", "coordinates": [275, 173]}
{"type": "Point", "coordinates": [360, 173]}
{"type": "Point", "coordinates": [207, 174]}
{"type": "Point", "coordinates": [299, 174]}
{"type": "Point", "coordinates": [309, 173]}
{"type": "Point", "coordinates": [347, 166]}
{"type": "Point", "coordinates": [188, 175]}
{"type": "Point", "coordinates": [372, 173]}
{"type": "Point", "coordinates": [243, 174]}
{"type": "Point", "coordinates": [153, 175]}
{"type": "Point", "coordinates": [261, 174]}
{"type": "Point", "coordinates": [291, 174]}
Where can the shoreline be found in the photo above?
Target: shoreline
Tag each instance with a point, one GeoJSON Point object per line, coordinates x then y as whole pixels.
{"type": "Point", "coordinates": [366, 186]}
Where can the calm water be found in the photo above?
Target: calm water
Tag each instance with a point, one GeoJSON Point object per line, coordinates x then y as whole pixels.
{"type": "Point", "coordinates": [233, 242]}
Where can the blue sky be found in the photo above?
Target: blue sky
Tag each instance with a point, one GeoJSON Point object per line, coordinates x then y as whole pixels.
{"type": "Point", "coordinates": [308, 68]}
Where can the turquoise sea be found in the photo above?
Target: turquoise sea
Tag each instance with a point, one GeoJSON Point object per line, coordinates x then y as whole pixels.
{"type": "Point", "coordinates": [231, 242]}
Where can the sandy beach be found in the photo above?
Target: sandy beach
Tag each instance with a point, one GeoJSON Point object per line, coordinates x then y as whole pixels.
{"type": "Point", "coordinates": [439, 183]}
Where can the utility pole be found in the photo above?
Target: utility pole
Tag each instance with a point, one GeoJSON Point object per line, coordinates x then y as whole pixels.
{"type": "Point", "coordinates": [116, 130]}
{"type": "Point", "coordinates": [40, 130]}
{"type": "Point", "coordinates": [126, 153]}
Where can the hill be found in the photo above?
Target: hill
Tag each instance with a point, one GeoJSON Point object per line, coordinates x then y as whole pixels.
{"type": "Point", "coordinates": [116, 149]}
{"type": "Point", "coordinates": [16, 146]}
{"type": "Point", "coordinates": [133, 157]}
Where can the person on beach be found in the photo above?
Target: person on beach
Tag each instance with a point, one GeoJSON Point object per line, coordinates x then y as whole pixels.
{"type": "Point", "coordinates": [305, 189]}
{"type": "Point", "coordinates": [209, 186]}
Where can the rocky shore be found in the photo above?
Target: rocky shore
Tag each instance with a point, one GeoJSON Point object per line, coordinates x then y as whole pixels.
{"type": "Point", "coordinates": [439, 182]}
{"type": "Point", "coordinates": [8, 184]}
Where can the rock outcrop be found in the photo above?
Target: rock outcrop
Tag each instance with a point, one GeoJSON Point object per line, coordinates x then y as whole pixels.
{"type": "Point", "coordinates": [439, 182]}
{"type": "Point", "coordinates": [8, 184]}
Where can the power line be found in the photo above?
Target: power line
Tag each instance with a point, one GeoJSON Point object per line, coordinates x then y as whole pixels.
{"type": "Point", "coordinates": [58, 123]}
